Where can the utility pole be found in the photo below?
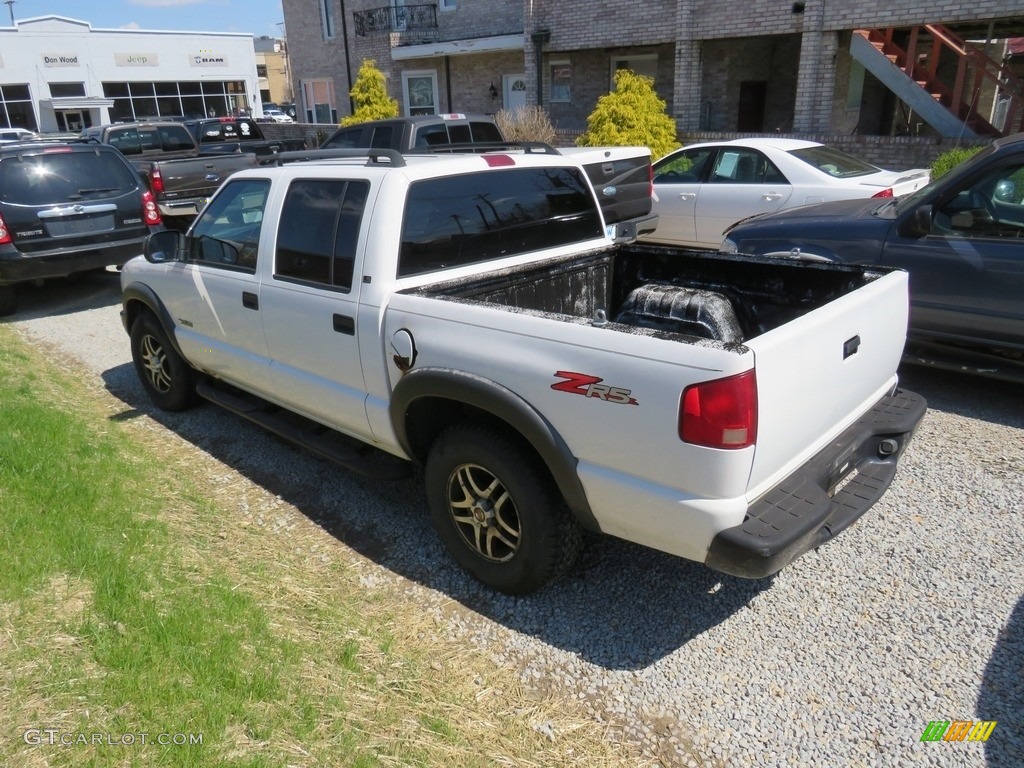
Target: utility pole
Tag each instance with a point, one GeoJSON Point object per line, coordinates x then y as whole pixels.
{"type": "Point", "coordinates": [10, 7]}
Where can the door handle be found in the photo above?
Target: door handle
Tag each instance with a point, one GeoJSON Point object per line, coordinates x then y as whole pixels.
{"type": "Point", "coordinates": [250, 300]}
{"type": "Point", "coordinates": [688, 196]}
{"type": "Point", "coordinates": [345, 324]}
{"type": "Point", "coordinates": [771, 196]}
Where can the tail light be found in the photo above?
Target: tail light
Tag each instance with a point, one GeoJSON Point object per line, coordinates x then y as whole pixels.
{"type": "Point", "coordinates": [150, 210]}
{"type": "Point", "coordinates": [650, 180]}
{"type": "Point", "coordinates": [5, 234]}
{"type": "Point", "coordinates": [156, 181]}
{"type": "Point", "coordinates": [884, 193]}
{"type": "Point", "coordinates": [721, 413]}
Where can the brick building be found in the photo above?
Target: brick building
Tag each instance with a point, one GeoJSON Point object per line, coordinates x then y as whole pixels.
{"type": "Point", "coordinates": [763, 66]}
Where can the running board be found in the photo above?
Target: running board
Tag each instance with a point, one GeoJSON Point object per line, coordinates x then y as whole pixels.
{"type": "Point", "coordinates": [327, 444]}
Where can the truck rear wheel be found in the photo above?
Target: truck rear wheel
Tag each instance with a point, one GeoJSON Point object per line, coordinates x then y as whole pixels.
{"type": "Point", "coordinates": [497, 510]}
{"type": "Point", "coordinates": [166, 377]}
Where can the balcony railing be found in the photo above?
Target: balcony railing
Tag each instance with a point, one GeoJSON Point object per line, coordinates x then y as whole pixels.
{"type": "Point", "coordinates": [392, 18]}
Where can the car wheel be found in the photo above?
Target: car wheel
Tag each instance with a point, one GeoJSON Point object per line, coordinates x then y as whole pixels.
{"type": "Point", "coordinates": [497, 510]}
{"type": "Point", "coordinates": [166, 377]}
{"type": "Point", "coordinates": [8, 300]}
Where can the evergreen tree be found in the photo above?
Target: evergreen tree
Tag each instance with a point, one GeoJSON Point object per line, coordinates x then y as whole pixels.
{"type": "Point", "coordinates": [370, 95]}
{"type": "Point", "coordinates": [632, 115]}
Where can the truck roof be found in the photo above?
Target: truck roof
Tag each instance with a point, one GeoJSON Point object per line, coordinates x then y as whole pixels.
{"type": "Point", "coordinates": [414, 166]}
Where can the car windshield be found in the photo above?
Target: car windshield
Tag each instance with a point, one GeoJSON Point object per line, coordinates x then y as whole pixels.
{"type": "Point", "coordinates": [914, 199]}
{"type": "Point", "coordinates": [57, 177]}
{"type": "Point", "coordinates": [834, 162]}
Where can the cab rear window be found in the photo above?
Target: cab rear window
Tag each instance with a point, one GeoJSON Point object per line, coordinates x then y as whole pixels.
{"type": "Point", "coordinates": [480, 217]}
{"type": "Point", "coordinates": [44, 179]}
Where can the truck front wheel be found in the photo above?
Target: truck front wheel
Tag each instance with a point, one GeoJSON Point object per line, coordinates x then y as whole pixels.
{"type": "Point", "coordinates": [166, 377]}
{"type": "Point", "coordinates": [497, 510]}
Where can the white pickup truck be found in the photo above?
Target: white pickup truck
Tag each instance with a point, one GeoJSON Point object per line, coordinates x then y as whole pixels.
{"type": "Point", "coordinates": [470, 314]}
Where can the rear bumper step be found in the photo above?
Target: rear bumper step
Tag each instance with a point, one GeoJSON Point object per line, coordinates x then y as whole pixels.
{"type": "Point", "coordinates": [824, 496]}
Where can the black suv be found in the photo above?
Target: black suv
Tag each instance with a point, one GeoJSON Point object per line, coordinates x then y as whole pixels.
{"type": "Point", "coordinates": [404, 134]}
{"type": "Point", "coordinates": [67, 207]}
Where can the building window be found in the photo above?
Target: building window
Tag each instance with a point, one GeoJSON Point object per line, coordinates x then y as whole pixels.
{"type": "Point", "coordinates": [644, 64]}
{"type": "Point", "coordinates": [67, 90]}
{"type": "Point", "coordinates": [447, 5]}
{"type": "Point", "coordinates": [16, 109]}
{"type": "Point", "coordinates": [561, 81]}
{"type": "Point", "coordinates": [188, 99]}
{"type": "Point", "coordinates": [420, 92]}
{"type": "Point", "coordinates": [318, 99]}
{"type": "Point", "coordinates": [261, 70]}
{"type": "Point", "coordinates": [327, 19]}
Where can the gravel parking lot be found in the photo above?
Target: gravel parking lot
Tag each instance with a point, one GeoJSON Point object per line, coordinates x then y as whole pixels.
{"type": "Point", "coordinates": [913, 615]}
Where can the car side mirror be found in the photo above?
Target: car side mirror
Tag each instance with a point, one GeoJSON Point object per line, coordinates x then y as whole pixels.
{"type": "Point", "coordinates": [164, 246]}
{"type": "Point", "coordinates": [918, 223]}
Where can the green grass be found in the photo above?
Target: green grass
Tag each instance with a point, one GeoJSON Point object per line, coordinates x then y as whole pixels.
{"type": "Point", "coordinates": [171, 655]}
{"type": "Point", "coordinates": [135, 598]}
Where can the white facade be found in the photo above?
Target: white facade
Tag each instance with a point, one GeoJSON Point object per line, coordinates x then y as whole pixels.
{"type": "Point", "coordinates": [60, 74]}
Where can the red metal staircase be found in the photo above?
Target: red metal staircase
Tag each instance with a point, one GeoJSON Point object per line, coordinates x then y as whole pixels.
{"type": "Point", "coordinates": [958, 75]}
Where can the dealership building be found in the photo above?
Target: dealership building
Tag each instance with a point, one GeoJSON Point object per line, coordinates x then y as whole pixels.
{"type": "Point", "coordinates": [60, 74]}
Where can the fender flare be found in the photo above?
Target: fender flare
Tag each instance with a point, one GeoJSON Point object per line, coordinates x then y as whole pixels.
{"type": "Point", "coordinates": [504, 404]}
{"type": "Point", "coordinates": [146, 296]}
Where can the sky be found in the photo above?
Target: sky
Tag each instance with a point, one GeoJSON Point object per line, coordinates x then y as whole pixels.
{"type": "Point", "coordinates": [258, 17]}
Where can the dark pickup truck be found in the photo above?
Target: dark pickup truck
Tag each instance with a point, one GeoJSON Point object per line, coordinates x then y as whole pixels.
{"type": "Point", "coordinates": [165, 155]}
{"type": "Point", "coordinates": [621, 175]}
{"type": "Point", "coordinates": [960, 238]}
{"type": "Point", "coordinates": [225, 135]}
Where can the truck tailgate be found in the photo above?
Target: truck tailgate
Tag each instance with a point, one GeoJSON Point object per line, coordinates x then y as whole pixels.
{"type": "Point", "coordinates": [817, 374]}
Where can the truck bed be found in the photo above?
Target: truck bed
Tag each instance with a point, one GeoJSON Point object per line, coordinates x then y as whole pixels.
{"type": "Point", "coordinates": [724, 298]}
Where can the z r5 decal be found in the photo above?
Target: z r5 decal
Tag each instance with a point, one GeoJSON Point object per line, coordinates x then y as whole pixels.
{"type": "Point", "coordinates": [591, 386]}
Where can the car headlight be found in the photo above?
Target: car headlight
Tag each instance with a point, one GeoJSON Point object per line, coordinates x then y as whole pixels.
{"type": "Point", "coordinates": [728, 246]}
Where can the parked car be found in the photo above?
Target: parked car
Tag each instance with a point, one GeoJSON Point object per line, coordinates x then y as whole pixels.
{"type": "Point", "coordinates": [469, 314]}
{"type": "Point", "coordinates": [8, 135]}
{"type": "Point", "coordinates": [229, 135]}
{"type": "Point", "coordinates": [168, 158]}
{"type": "Point", "coordinates": [67, 208]}
{"type": "Point", "coordinates": [704, 188]}
{"type": "Point", "coordinates": [276, 116]}
{"type": "Point", "coordinates": [961, 238]}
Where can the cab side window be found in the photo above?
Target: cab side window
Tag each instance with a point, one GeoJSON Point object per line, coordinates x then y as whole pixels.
{"type": "Point", "coordinates": [227, 233]}
{"type": "Point", "coordinates": [990, 207]}
{"type": "Point", "coordinates": [684, 167]}
{"type": "Point", "coordinates": [319, 232]}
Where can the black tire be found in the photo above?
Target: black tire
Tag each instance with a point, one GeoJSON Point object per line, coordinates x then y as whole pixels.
{"type": "Point", "coordinates": [497, 509]}
{"type": "Point", "coordinates": [8, 300]}
{"type": "Point", "coordinates": [168, 380]}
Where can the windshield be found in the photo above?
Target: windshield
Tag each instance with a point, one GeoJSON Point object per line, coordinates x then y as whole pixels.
{"type": "Point", "coordinates": [914, 199]}
{"type": "Point", "coordinates": [834, 162]}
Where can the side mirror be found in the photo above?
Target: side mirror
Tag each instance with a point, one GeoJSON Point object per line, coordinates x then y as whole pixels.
{"type": "Point", "coordinates": [164, 246]}
{"type": "Point", "coordinates": [918, 223]}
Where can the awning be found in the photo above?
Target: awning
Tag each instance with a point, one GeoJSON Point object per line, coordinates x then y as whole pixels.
{"type": "Point", "coordinates": [458, 47]}
{"type": "Point", "coordinates": [77, 102]}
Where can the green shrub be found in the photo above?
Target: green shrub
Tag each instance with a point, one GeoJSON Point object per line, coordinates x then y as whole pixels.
{"type": "Point", "coordinates": [951, 158]}
{"type": "Point", "coordinates": [631, 115]}
{"type": "Point", "coordinates": [370, 96]}
{"type": "Point", "coordinates": [526, 123]}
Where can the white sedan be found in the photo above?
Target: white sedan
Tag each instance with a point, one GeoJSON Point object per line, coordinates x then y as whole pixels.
{"type": "Point", "coordinates": [276, 116]}
{"type": "Point", "coordinates": [702, 189]}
